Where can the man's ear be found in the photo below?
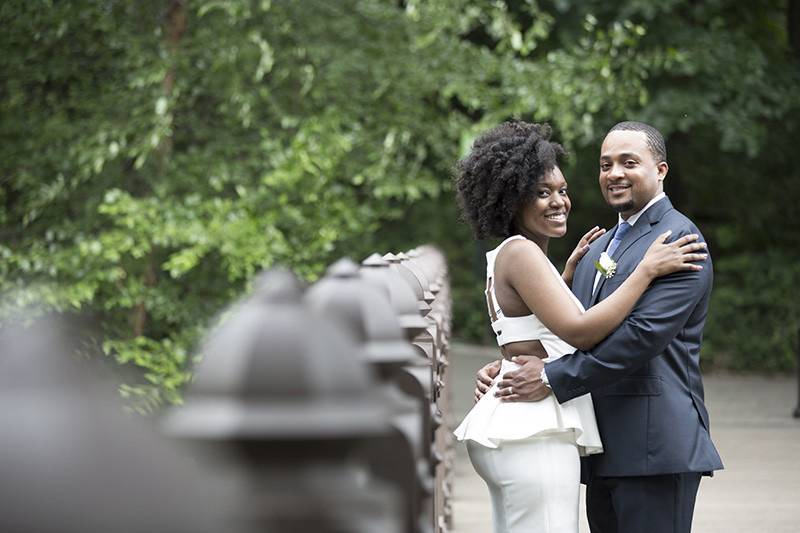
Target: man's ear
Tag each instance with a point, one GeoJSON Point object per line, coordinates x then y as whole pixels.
{"type": "Point", "coordinates": [663, 168]}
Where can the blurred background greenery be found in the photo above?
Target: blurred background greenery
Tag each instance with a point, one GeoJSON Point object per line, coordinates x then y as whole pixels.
{"type": "Point", "coordinates": [155, 155]}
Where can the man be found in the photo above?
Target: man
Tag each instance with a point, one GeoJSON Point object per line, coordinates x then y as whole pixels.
{"type": "Point", "coordinates": [645, 377]}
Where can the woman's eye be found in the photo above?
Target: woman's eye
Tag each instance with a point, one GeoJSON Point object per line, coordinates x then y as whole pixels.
{"type": "Point", "coordinates": [563, 192]}
{"type": "Point", "coordinates": [544, 194]}
{"type": "Point", "coordinates": [630, 163]}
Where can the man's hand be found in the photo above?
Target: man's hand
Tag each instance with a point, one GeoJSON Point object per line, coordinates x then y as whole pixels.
{"type": "Point", "coordinates": [485, 377]}
{"type": "Point", "coordinates": [524, 384]}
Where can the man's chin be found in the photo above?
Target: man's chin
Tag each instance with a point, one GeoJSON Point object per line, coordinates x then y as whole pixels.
{"type": "Point", "coordinates": [623, 207]}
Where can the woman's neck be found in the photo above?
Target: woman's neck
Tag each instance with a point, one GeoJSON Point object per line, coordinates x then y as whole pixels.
{"type": "Point", "coordinates": [539, 240]}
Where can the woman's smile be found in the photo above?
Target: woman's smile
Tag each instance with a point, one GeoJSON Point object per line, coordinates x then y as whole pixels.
{"type": "Point", "coordinates": [558, 218]}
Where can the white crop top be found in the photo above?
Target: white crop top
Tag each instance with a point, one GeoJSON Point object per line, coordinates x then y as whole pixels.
{"type": "Point", "coordinates": [516, 328]}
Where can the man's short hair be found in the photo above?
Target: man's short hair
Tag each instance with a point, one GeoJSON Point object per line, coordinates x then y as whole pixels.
{"type": "Point", "coordinates": [655, 141]}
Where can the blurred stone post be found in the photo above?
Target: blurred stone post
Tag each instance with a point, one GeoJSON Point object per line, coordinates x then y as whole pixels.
{"type": "Point", "coordinates": [283, 389]}
{"type": "Point", "coordinates": [365, 310]}
{"type": "Point", "coordinates": [71, 461]}
{"type": "Point", "coordinates": [417, 378]}
{"type": "Point", "coordinates": [429, 266]}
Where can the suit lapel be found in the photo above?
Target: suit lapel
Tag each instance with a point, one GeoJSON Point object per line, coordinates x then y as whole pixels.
{"type": "Point", "coordinates": [586, 277]}
{"type": "Point", "coordinates": [639, 230]}
{"type": "Point", "coordinates": [642, 227]}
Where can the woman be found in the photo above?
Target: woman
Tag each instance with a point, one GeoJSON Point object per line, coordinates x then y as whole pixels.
{"type": "Point", "coordinates": [510, 187]}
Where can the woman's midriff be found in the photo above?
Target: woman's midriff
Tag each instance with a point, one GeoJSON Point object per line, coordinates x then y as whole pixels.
{"type": "Point", "coordinates": [513, 349]}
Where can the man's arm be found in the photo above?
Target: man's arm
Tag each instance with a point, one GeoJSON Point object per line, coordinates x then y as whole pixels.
{"type": "Point", "coordinates": [486, 375]}
{"type": "Point", "coordinates": [657, 318]}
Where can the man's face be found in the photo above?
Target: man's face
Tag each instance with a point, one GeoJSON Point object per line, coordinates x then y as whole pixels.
{"type": "Point", "coordinates": [629, 174]}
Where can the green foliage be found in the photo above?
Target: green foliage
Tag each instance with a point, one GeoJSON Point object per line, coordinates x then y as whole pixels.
{"type": "Point", "coordinates": [720, 79]}
{"type": "Point", "coordinates": [756, 323]}
{"type": "Point", "coordinates": [155, 155]}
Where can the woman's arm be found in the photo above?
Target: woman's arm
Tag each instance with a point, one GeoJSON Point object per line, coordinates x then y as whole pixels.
{"type": "Point", "coordinates": [528, 272]}
{"type": "Point", "coordinates": [670, 306]}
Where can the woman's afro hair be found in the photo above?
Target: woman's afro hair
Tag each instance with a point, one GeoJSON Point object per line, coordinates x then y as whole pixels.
{"type": "Point", "coordinates": [499, 174]}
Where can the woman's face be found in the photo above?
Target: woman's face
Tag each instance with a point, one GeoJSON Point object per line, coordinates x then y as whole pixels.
{"type": "Point", "coordinates": [545, 215]}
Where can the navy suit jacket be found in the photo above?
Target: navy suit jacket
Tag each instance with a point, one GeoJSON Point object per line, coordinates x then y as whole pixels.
{"type": "Point", "coordinates": [645, 376]}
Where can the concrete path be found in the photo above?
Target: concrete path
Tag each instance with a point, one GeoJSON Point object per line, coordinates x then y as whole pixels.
{"type": "Point", "coordinates": [751, 423]}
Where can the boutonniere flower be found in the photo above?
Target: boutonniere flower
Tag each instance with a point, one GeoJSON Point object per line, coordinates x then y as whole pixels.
{"type": "Point", "coordinates": [606, 266]}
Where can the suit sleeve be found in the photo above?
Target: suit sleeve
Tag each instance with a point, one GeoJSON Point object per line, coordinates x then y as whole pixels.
{"type": "Point", "coordinates": [658, 317]}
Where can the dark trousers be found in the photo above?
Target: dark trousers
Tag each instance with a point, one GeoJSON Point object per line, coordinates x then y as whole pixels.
{"type": "Point", "coordinates": [646, 504]}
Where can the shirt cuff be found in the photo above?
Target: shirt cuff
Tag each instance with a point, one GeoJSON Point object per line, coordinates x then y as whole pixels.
{"type": "Point", "coordinates": [543, 377]}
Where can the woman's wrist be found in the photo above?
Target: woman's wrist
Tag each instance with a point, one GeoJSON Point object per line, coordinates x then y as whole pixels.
{"type": "Point", "coordinates": [568, 274]}
{"type": "Point", "coordinates": [646, 271]}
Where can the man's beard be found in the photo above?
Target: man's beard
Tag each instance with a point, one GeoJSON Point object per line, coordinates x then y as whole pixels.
{"type": "Point", "coordinates": [622, 208]}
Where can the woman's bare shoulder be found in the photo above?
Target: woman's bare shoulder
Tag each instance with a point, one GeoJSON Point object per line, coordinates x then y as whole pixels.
{"type": "Point", "coordinates": [521, 254]}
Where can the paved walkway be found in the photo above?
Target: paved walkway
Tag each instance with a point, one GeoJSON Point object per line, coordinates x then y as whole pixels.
{"type": "Point", "coordinates": [751, 423]}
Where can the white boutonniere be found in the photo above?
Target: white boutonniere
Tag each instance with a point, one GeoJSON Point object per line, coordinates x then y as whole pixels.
{"type": "Point", "coordinates": [606, 266]}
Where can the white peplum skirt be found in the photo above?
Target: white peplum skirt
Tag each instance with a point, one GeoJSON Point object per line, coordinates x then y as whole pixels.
{"type": "Point", "coordinates": [491, 421]}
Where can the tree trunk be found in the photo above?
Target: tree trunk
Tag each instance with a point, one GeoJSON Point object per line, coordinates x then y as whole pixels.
{"type": "Point", "coordinates": [139, 317]}
{"type": "Point", "coordinates": [793, 30]}
{"type": "Point", "coordinates": [175, 26]}
{"type": "Point", "coordinates": [793, 27]}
